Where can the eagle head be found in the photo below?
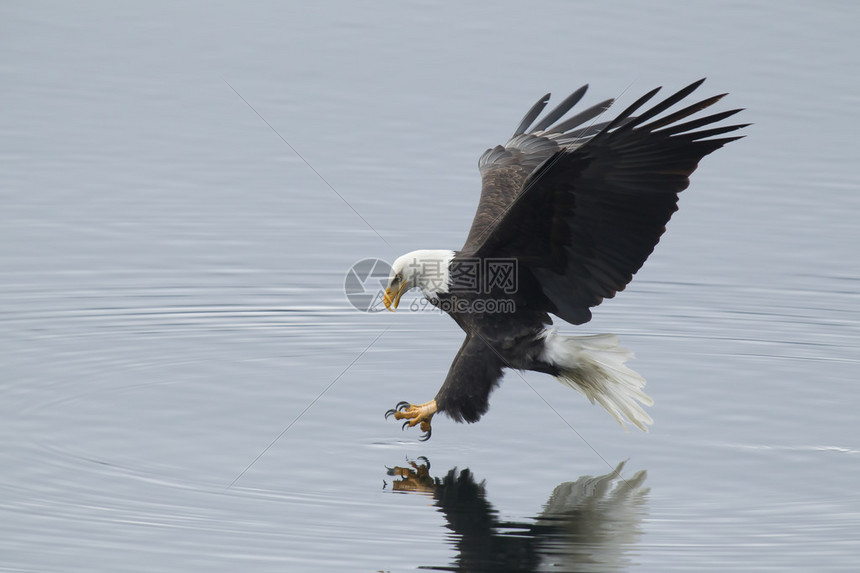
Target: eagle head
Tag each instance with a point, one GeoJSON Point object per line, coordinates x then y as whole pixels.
{"type": "Point", "coordinates": [426, 269]}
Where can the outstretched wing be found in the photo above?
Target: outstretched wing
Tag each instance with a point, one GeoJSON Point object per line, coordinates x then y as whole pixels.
{"type": "Point", "coordinates": [476, 370]}
{"type": "Point", "coordinates": [504, 169]}
{"type": "Point", "coordinates": [587, 219]}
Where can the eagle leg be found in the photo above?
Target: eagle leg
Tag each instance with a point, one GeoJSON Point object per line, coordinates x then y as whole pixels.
{"type": "Point", "coordinates": [415, 414]}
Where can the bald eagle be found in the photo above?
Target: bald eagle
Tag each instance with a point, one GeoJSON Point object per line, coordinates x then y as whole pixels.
{"type": "Point", "coordinates": [569, 211]}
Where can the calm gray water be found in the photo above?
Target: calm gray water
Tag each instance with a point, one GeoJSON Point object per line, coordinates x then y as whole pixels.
{"type": "Point", "coordinates": [172, 294]}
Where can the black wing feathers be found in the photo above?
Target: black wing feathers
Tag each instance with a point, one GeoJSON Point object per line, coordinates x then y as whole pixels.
{"type": "Point", "coordinates": [504, 169]}
{"type": "Point", "coordinates": [530, 116]}
{"type": "Point", "coordinates": [561, 109]}
{"type": "Point", "coordinates": [587, 219]}
{"type": "Point", "coordinates": [582, 117]}
{"type": "Point", "coordinates": [659, 108]}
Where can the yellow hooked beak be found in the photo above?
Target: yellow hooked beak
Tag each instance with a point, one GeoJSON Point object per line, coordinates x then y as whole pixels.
{"type": "Point", "coordinates": [394, 297]}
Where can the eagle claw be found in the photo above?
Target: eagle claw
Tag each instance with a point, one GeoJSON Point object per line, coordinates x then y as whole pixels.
{"type": "Point", "coordinates": [414, 415]}
{"type": "Point", "coordinates": [401, 406]}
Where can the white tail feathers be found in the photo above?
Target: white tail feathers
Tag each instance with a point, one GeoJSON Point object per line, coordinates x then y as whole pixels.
{"type": "Point", "coordinates": [594, 365]}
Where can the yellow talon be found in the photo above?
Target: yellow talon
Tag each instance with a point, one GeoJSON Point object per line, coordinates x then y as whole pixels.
{"type": "Point", "coordinates": [416, 414]}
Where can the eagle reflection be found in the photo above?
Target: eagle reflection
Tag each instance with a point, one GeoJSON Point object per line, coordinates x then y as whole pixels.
{"type": "Point", "coordinates": [586, 525]}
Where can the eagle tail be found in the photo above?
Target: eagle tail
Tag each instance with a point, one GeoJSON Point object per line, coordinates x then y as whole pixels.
{"type": "Point", "coordinates": [595, 366]}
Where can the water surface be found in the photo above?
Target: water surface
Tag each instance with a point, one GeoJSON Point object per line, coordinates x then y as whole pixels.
{"type": "Point", "coordinates": [172, 305]}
